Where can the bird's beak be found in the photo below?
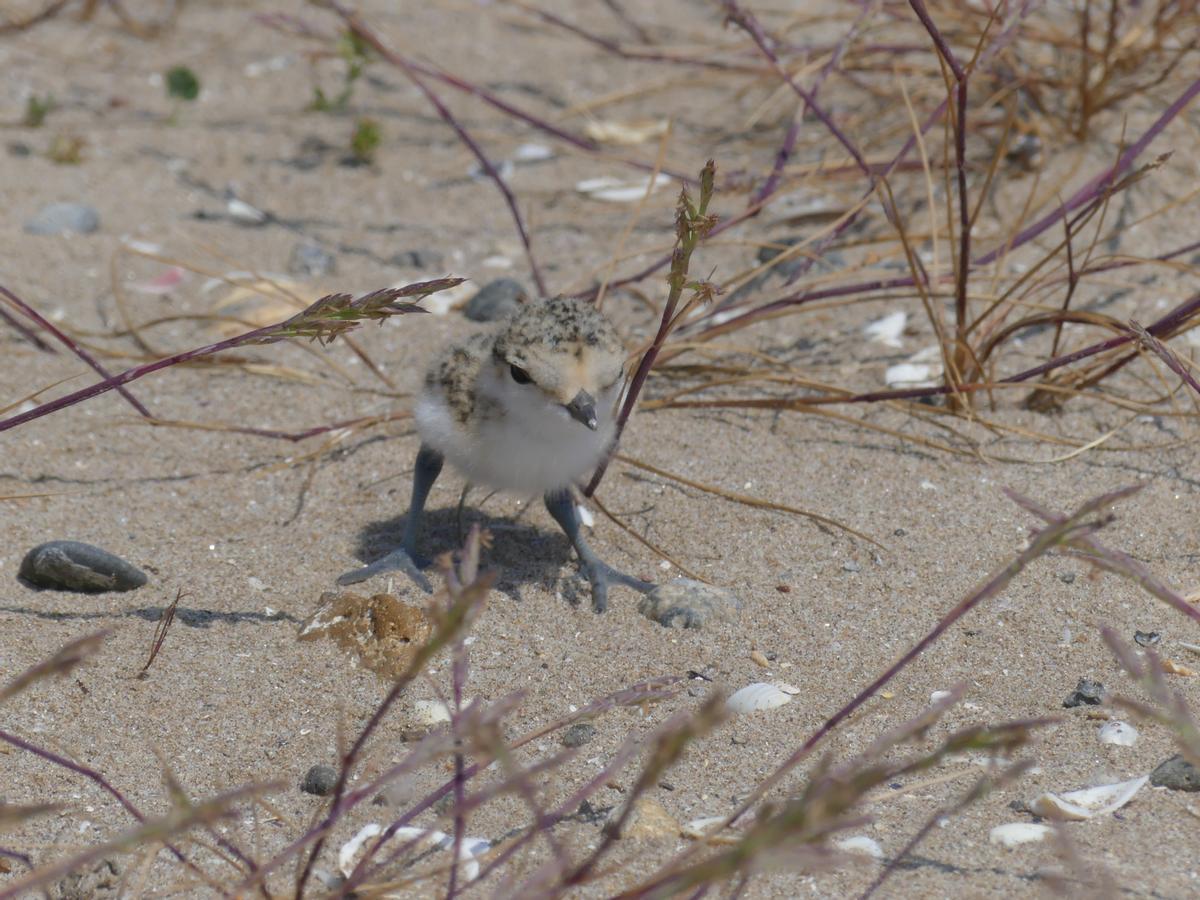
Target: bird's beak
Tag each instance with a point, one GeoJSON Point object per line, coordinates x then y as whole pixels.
{"type": "Point", "coordinates": [583, 409]}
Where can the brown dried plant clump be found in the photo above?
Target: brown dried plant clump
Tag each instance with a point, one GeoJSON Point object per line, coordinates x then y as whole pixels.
{"type": "Point", "coordinates": [381, 631]}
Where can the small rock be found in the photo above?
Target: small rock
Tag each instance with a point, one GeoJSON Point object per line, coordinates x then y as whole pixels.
{"type": "Point", "coordinates": [64, 218]}
{"type": "Point", "coordinates": [1087, 692]}
{"type": "Point", "coordinates": [1177, 774]}
{"type": "Point", "coordinates": [74, 566]}
{"type": "Point", "coordinates": [578, 735]}
{"type": "Point", "coordinates": [1067, 577]}
{"type": "Point", "coordinates": [685, 603]}
{"type": "Point", "coordinates": [851, 566]}
{"type": "Point", "coordinates": [788, 267]}
{"type": "Point", "coordinates": [311, 261]}
{"type": "Point", "coordinates": [319, 780]}
{"type": "Point", "coordinates": [1147, 638]}
{"type": "Point", "coordinates": [496, 300]}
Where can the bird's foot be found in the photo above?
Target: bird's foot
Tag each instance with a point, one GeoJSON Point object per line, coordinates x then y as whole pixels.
{"type": "Point", "coordinates": [601, 575]}
{"type": "Point", "coordinates": [398, 560]}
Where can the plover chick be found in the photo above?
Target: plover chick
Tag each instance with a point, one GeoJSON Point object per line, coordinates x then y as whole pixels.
{"type": "Point", "coordinates": [529, 408]}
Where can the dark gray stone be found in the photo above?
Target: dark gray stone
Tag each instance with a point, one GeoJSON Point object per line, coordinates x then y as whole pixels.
{"type": "Point", "coordinates": [1146, 638]}
{"type": "Point", "coordinates": [64, 218]}
{"type": "Point", "coordinates": [496, 300]}
{"type": "Point", "coordinates": [1086, 693]}
{"type": "Point", "coordinates": [74, 566]}
{"type": "Point", "coordinates": [311, 261]}
{"type": "Point", "coordinates": [1177, 774]}
{"type": "Point", "coordinates": [319, 780]}
{"type": "Point", "coordinates": [684, 603]}
{"type": "Point", "coordinates": [579, 734]}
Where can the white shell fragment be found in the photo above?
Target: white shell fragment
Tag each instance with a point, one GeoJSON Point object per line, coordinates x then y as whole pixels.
{"type": "Point", "coordinates": [862, 844]}
{"type": "Point", "coordinates": [616, 190]}
{"type": "Point", "coordinates": [468, 852]}
{"type": "Point", "coordinates": [923, 369]}
{"type": "Point", "coordinates": [1014, 833]}
{"type": "Point", "coordinates": [625, 133]}
{"type": "Point", "coordinates": [1120, 733]}
{"type": "Point", "coordinates": [698, 829]}
{"type": "Point", "coordinates": [431, 712]}
{"type": "Point", "coordinates": [887, 330]}
{"type": "Point", "coordinates": [1087, 803]}
{"type": "Point", "coordinates": [939, 696]}
{"type": "Point", "coordinates": [757, 697]}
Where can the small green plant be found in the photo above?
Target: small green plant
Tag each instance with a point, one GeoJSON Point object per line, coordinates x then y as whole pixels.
{"type": "Point", "coordinates": [366, 140]}
{"type": "Point", "coordinates": [182, 84]}
{"type": "Point", "coordinates": [355, 53]}
{"type": "Point", "coordinates": [182, 87]}
{"type": "Point", "coordinates": [36, 110]}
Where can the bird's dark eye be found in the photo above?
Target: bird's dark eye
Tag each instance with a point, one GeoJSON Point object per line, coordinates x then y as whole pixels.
{"type": "Point", "coordinates": [519, 375]}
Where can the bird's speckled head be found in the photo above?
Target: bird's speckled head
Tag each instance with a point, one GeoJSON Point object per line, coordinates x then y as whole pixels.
{"type": "Point", "coordinates": [562, 347]}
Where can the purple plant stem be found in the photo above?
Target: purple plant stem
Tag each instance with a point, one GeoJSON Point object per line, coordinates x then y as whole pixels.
{"type": "Point", "coordinates": [750, 25]}
{"type": "Point", "coordinates": [283, 21]}
{"type": "Point", "coordinates": [1041, 542]}
{"type": "Point", "coordinates": [49, 326]}
{"type": "Point", "coordinates": [641, 55]}
{"type": "Point", "coordinates": [463, 135]}
{"type": "Point", "coordinates": [114, 382]}
{"type": "Point", "coordinates": [1114, 560]}
{"type": "Point", "coordinates": [20, 329]}
{"type": "Point", "coordinates": [960, 164]}
{"type": "Point", "coordinates": [1098, 184]}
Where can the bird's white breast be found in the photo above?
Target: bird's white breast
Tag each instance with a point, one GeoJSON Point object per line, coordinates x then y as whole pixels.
{"type": "Point", "coordinates": [517, 441]}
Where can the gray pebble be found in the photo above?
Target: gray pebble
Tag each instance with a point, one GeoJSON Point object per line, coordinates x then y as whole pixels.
{"type": "Point", "coordinates": [496, 300]}
{"type": "Point", "coordinates": [311, 261]}
{"type": "Point", "coordinates": [684, 603]}
{"type": "Point", "coordinates": [851, 566]}
{"type": "Point", "coordinates": [101, 881]}
{"type": "Point", "coordinates": [74, 566]}
{"type": "Point", "coordinates": [319, 780]}
{"type": "Point", "coordinates": [1147, 638]}
{"type": "Point", "coordinates": [1177, 774]}
{"type": "Point", "coordinates": [578, 735]}
{"type": "Point", "coordinates": [1067, 577]}
{"type": "Point", "coordinates": [63, 218]}
{"type": "Point", "coordinates": [1086, 693]}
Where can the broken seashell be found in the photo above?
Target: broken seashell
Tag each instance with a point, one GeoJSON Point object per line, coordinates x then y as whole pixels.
{"type": "Point", "coordinates": [616, 190]}
{"type": "Point", "coordinates": [757, 697]}
{"type": "Point", "coordinates": [469, 849]}
{"type": "Point", "coordinates": [626, 133]}
{"type": "Point", "coordinates": [1014, 833]}
{"type": "Point", "coordinates": [1120, 733]}
{"type": "Point", "coordinates": [888, 329]}
{"type": "Point", "coordinates": [702, 828]}
{"type": "Point", "coordinates": [1087, 803]}
{"type": "Point", "coordinates": [349, 850]}
{"type": "Point", "coordinates": [939, 696]}
{"type": "Point", "coordinates": [431, 712]}
{"type": "Point", "coordinates": [860, 844]}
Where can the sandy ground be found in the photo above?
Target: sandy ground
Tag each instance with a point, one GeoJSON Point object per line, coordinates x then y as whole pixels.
{"type": "Point", "coordinates": [253, 531]}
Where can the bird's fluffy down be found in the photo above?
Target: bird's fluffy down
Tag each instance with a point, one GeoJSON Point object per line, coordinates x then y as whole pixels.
{"type": "Point", "coordinates": [495, 405]}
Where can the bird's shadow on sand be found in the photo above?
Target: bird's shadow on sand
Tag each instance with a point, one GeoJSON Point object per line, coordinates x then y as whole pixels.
{"type": "Point", "coordinates": [521, 554]}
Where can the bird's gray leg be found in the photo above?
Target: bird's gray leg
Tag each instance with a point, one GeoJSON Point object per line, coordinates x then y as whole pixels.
{"type": "Point", "coordinates": [561, 505]}
{"type": "Point", "coordinates": [404, 558]}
